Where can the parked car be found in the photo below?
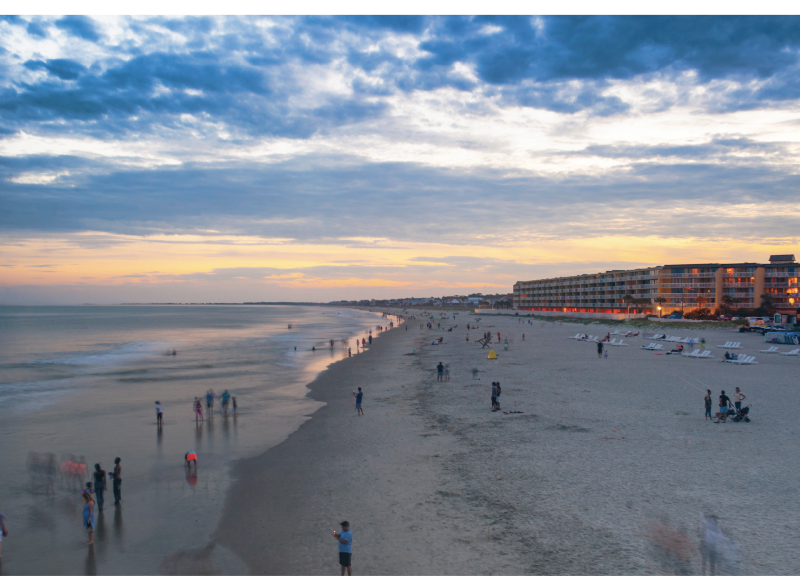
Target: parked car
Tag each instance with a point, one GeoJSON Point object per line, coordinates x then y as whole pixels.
{"type": "Point", "coordinates": [675, 316]}
{"type": "Point", "coordinates": [725, 318]}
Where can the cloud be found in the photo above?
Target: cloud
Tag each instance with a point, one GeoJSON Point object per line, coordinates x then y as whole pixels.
{"type": "Point", "coordinates": [79, 26]}
{"type": "Point", "coordinates": [384, 139]}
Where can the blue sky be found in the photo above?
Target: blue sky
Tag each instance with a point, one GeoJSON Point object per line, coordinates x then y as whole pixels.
{"type": "Point", "coordinates": [228, 159]}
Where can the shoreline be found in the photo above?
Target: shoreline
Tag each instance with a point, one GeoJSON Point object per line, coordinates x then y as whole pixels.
{"type": "Point", "coordinates": [269, 486]}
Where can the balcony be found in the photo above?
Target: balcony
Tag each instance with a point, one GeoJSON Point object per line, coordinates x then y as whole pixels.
{"type": "Point", "coordinates": [689, 285]}
{"type": "Point", "coordinates": [689, 275]}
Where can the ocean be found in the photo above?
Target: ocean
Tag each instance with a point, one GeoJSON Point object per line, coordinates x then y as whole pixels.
{"type": "Point", "coordinates": [80, 383]}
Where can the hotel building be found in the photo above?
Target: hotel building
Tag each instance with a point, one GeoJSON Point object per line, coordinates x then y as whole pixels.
{"type": "Point", "coordinates": [674, 287]}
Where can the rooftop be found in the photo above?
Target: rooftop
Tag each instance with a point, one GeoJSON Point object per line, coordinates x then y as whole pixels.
{"type": "Point", "coordinates": [784, 258]}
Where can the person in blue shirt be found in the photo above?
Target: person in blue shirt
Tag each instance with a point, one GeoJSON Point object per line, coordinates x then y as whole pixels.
{"type": "Point", "coordinates": [345, 538]}
{"type": "Point", "coordinates": [226, 398]}
{"type": "Point", "coordinates": [359, 396]}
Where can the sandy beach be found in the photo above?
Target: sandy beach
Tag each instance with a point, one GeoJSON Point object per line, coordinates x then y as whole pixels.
{"type": "Point", "coordinates": [610, 469]}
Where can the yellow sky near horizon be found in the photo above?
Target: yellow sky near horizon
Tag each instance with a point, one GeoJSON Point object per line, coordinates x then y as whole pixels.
{"type": "Point", "coordinates": [104, 259]}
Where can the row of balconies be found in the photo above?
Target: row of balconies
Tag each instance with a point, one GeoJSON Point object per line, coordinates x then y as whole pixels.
{"type": "Point", "coordinates": [687, 285]}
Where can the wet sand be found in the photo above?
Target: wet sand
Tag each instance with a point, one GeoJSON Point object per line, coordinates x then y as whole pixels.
{"type": "Point", "coordinates": [611, 468]}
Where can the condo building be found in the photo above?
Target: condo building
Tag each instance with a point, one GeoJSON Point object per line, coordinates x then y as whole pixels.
{"type": "Point", "coordinates": [683, 287]}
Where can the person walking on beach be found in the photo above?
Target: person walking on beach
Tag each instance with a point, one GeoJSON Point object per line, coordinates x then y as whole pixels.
{"type": "Point", "coordinates": [198, 410]}
{"type": "Point", "coordinates": [707, 400]}
{"type": "Point", "coordinates": [345, 538]}
{"type": "Point", "coordinates": [497, 397]}
{"type": "Point", "coordinates": [3, 531]}
{"type": "Point", "coordinates": [99, 484]}
{"type": "Point", "coordinates": [88, 516]}
{"type": "Point", "coordinates": [738, 397]}
{"type": "Point", "coordinates": [117, 476]}
{"type": "Point", "coordinates": [440, 372]}
{"type": "Point", "coordinates": [159, 413]}
{"type": "Point", "coordinates": [359, 396]}
{"type": "Point", "coordinates": [724, 402]}
{"type": "Point", "coordinates": [226, 398]}
{"type": "Point", "coordinates": [600, 349]}
{"type": "Point", "coordinates": [370, 339]}
{"type": "Point", "coordinates": [494, 396]}
{"type": "Point", "coordinates": [447, 372]}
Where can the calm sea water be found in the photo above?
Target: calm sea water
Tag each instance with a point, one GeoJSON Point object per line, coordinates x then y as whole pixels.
{"type": "Point", "coordinates": [82, 381]}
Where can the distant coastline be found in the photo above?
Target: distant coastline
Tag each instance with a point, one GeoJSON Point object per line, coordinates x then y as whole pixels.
{"type": "Point", "coordinates": [214, 304]}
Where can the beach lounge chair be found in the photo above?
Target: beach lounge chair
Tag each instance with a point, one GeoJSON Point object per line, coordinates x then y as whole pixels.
{"type": "Point", "coordinates": [770, 350]}
{"type": "Point", "coordinates": [620, 343]}
{"type": "Point", "coordinates": [576, 337]}
{"type": "Point", "coordinates": [745, 360]}
{"type": "Point", "coordinates": [615, 332]}
{"type": "Point", "coordinates": [795, 352]}
{"type": "Point", "coordinates": [705, 354]}
{"type": "Point", "coordinates": [693, 354]}
{"type": "Point", "coordinates": [651, 346]}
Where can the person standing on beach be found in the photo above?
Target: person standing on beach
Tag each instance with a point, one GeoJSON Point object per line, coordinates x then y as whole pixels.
{"type": "Point", "coordinates": [707, 400]}
{"type": "Point", "coordinates": [738, 397]}
{"type": "Point", "coordinates": [210, 402]}
{"type": "Point", "coordinates": [345, 538]}
{"type": "Point", "coordinates": [159, 413]}
{"type": "Point", "coordinates": [724, 402]}
{"type": "Point", "coordinates": [226, 398]}
{"type": "Point", "coordinates": [198, 410]}
{"type": "Point", "coordinates": [440, 372]}
{"type": "Point", "coordinates": [370, 339]}
{"type": "Point", "coordinates": [447, 373]}
{"type": "Point", "coordinates": [88, 516]}
{"type": "Point", "coordinates": [99, 484]}
{"type": "Point", "coordinates": [117, 476]}
{"type": "Point", "coordinates": [600, 349]}
{"type": "Point", "coordinates": [359, 396]}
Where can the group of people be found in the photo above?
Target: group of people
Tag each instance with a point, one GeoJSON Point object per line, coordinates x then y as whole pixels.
{"type": "Point", "coordinates": [496, 390]}
{"type": "Point", "coordinates": [225, 398]}
{"type": "Point", "coordinates": [725, 405]}
{"type": "Point", "coordinates": [96, 489]}
{"type": "Point", "coordinates": [443, 372]}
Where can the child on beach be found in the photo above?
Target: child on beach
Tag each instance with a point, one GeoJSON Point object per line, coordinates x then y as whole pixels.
{"type": "Point", "coordinates": [345, 538]}
{"type": "Point", "coordinates": [359, 396]}
{"type": "Point", "coordinates": [159, 412]}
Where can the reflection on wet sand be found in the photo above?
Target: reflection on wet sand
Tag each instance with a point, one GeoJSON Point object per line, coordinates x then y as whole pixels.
{"type": "Point", "coordinates": [91, 563]}
{"type": "Point", "coordinates": [190, 562]}
{"type": "Point", "coordinates": [119, 533]}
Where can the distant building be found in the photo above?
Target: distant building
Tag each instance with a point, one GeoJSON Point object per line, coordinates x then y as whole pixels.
{"type": "Point", "coordinates": [682, 287]}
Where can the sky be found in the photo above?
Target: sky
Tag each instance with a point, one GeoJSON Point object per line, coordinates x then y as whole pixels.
{"type": "Point", "coordinates": [229, 159]}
